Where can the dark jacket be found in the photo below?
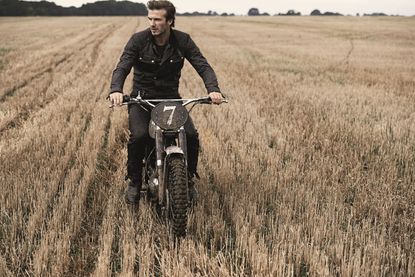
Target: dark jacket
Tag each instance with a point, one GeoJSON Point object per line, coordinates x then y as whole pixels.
{"type": "Point", "coordinates": [158, 76]}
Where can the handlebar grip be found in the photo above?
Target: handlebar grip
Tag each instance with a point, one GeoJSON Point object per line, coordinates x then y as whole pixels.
{"type": "Point", "coordinates": [206, 101]}
{"type": "Point", "coordinates": [126, 98]}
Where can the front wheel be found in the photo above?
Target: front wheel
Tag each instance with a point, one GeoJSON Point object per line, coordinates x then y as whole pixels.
{"type": "Point", "coordinates": [177, 196]}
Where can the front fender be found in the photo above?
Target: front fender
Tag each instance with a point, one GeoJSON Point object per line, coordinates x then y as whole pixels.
{"type": "Point", "coordinates": [173, 150]}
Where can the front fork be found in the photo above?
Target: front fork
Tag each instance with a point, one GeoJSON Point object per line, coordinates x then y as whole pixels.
{"type": "Point", "coordinates": [183, 142]}
{"type": "Point", "coordinates": [159, 164]}
{"type": "Point", "coordinates": [162, 158]}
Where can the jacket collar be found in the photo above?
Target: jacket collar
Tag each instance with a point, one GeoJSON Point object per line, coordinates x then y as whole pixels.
{"type": "Point", "coordinates": [170, 47]}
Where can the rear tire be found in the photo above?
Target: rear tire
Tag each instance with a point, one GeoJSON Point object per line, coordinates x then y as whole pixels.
{"type": "Point", "coordinates": [178, 196]}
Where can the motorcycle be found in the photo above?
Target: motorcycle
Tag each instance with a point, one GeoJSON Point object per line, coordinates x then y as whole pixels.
{"type": "Point", "coordinates": [164, 171]}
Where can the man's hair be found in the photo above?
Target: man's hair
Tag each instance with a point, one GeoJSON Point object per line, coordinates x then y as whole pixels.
{"type": "Point", "coordinates": [163, 5]}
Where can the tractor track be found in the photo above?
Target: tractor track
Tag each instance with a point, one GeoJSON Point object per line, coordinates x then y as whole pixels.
{"type": "Point", "coordinates": [86, 237]}
{"type": "Point", "coordinates": [36, 236]}
{"type": "Point", "coordinates": [41, 224]}
{"type": "Point", "coordinates": [337, 65]}
{"type": "Point", "coordinates": [56, 61]}
{"type": "Point", "coordinates": [62, 58]}
{"type": "Point", "coordinates": [12, 91]}
{"type": "Point", "coordinates": [95, 190]}
{"type": "Point", "coordinates": [39, 103]}
{"type": "Point", "coordinates": [27, 109]}
{"type": "Point", "coordinates": [87, 240]}
{"type": "Point", "coordinates": [231, 249]}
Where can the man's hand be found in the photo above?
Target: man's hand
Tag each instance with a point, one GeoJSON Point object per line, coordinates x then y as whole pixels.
{"type": "Point", "coordinates": [116, 98]}
{"type": "Point", "coordinates": [216, 97]}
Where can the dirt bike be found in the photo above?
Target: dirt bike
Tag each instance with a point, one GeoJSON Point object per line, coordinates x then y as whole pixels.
{"type": "Point", "coordinates": [165, 175]}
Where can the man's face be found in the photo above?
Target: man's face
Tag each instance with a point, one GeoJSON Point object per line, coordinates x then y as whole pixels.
{"type": "Point", "coordinates": [158, 22]}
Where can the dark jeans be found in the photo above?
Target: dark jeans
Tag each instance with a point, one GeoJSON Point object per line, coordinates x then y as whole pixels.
{"type": "Point", "coordinates": [138, 120]}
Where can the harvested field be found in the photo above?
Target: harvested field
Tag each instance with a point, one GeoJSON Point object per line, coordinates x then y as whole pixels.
{"type": "Point", "coordinates": [309, 170]}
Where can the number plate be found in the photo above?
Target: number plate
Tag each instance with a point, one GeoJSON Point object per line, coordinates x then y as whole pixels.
{"type": "Point", "coordinates": [169, 115]}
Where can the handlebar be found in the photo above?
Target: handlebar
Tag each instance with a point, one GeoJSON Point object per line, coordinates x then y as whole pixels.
{"type": "Point", "coordinates": [127, 100]}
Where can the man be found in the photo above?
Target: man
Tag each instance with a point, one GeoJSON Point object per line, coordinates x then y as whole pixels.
{"type": "Point", "coordinates": [157, 55]}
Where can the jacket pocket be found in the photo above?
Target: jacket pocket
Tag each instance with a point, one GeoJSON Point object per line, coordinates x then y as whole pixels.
{"type": "Point", "coordinates": [147, 63]}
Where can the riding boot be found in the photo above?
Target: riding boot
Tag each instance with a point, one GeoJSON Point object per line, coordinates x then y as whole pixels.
{"type": "Point", "coordinates": [134, 168]}
{"type": "Point", "coordinates": [132, 194]}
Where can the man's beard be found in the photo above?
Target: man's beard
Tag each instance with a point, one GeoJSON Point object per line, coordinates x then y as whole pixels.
{"type": "Point", "coordinates": [158, 32]}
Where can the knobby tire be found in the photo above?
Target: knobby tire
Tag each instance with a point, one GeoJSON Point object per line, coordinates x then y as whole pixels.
{"type": "Point", "coordinates": [178, 196]}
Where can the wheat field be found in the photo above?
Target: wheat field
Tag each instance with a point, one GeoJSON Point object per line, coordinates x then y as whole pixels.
{"type": "Point", "coordinates": [308, 171]}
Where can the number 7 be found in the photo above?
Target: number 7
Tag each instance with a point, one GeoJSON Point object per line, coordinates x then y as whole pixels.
{"type": "Point", "coordinates": [170, 108]}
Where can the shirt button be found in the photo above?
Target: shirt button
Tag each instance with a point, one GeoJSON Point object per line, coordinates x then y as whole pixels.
{"type": "Point", "coordinates": [155, 78]}
{"type": "Point", "coordinates": [152, 61]}
{"type": "Point", "coordinates": [171, 61]}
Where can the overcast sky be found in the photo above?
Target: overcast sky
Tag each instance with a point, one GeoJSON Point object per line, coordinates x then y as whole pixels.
{"type": "Point", "coordinates": [402, 7]}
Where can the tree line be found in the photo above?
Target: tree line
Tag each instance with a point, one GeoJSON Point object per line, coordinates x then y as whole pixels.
{"type": "Point", "coordinates": [316, 12]}
{"type": "Point", "coordinates": [112, 7]}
